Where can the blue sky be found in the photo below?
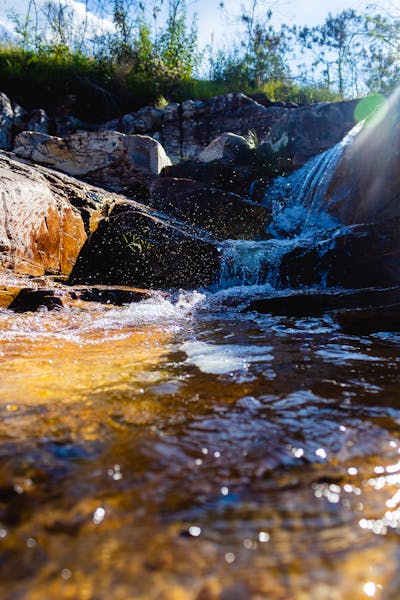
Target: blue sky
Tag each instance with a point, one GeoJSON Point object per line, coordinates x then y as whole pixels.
{"type": "Point", "coordinates": [212, 21]}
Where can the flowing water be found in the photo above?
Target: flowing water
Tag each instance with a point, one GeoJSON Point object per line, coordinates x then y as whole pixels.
{"type": "Point", "coordinates": [180, 448]}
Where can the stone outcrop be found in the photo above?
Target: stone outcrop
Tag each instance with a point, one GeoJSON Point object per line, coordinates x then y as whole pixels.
{"type": "Point", "coordinates": [134, 247]}
{"type": "Point", "coordinates": [186, 129]}
{"type": "Point", "coordinates": [362, 255]}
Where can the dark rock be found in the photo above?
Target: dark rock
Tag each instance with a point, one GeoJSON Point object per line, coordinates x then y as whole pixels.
{"type": "Point", "coordinates": [304, 304]}
{"type": "Point", "coordinates": [217, 173]}
{"type": "Point", "coordinates": [117, 296]}
{"type": "Point", "coordinates": [136, 248]}
{"type": "Point", "coordinates": [354, 257]}
{"type": "Point", "coordinates": [29, 300]}
{"type": "Point", "coordinates": [223, 214]}
{"type": "Point", "coordinates": [369, 320]}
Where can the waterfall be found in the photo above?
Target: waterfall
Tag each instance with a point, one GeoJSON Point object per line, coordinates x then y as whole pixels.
{"type": "Point", "coordinates": [297, 201]}
{"type": "Point", "coordinates": [298, 220]}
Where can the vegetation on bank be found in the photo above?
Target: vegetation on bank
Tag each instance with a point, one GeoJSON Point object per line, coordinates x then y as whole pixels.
{"type": "Point", "coordinates": [61, 64]}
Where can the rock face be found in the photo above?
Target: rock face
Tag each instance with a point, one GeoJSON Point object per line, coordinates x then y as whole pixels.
{"type": "Point", "coordinates": [134, 247]}
{"type": "Point", "coordinates": [222, 214]}
{"type": "Point", "coordinates": [87, 152]}
{"type": "Point", "coordinates": [366, 183]}
{"type": "Point", "coordinates": [44, 218]}
{"type": "Point", "coordinates": [186, 129]}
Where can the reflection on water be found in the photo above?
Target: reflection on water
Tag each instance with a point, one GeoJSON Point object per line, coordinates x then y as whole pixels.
{"type": "Point", "coordinates": [179, 449]}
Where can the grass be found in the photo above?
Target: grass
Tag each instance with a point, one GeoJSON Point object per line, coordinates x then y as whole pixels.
{"type": "Point", "coordinates": [95, 90]}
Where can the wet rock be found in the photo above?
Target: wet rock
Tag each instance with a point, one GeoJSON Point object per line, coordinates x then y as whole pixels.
{"type": "Point", "coordinates": [133, 247]}
{"type": "Point", "coordinates": [366, 182]}
{"type": "Point", "coordinates": [223, 214]}
{"type": "Point", "coordinates": [370, 319]}
{"type": "Point", "coordinates": [40, 231]}
{"type": "Point", "coordinates": [305, 303]}
{"type": "Point", "coordinates": [118, 296]}
{"type": "Point", "coordinates": [217, 173]}
{"type": "Point", "coordinates": [357, 256]}
{"type": "Point", "coordinates": [88, 152]}
{"type": "Point", "coordinates": [29, 300]}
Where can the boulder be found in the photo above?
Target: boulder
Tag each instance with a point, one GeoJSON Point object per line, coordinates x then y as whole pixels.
{"type": "Point", "coordinates": [45, 217]}
{"type": "Point", "coordinates": [87, 152]}
{"type": "Point", "coordinates": [38, 121]}
{"type": "Point", "coordinates": [366, 182]}
{"type": "Point", "coordinates": [40, 231]}
{"type": "Point", "coordinates": [222, 214]}
{"type": "Point", "coordinates": [134, 247]}
{"type": "Point", "coordinates": [228, 146]}
{"type": "Point", "coordinates": [306, 131]}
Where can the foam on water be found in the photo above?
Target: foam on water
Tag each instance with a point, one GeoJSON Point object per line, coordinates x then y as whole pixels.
{"type": "Point", "coordinates": [75, 324]}
{"type": "Point", "coordinates": [222, 359]}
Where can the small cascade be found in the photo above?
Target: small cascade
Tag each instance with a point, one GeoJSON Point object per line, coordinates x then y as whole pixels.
{"type": "Point", "coordinates": [249, 263]}
{"type": "Point", "coordinates": [297, 201]}
{"type": "Point", "coordinates": [298, 220]}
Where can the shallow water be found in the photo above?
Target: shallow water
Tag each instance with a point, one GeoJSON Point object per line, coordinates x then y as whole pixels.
{"type": "Point", "coordinates": [180, 449]}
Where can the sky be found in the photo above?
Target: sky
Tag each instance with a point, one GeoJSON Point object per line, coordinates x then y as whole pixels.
{"type": "Point", "coordinates": [211, 21]}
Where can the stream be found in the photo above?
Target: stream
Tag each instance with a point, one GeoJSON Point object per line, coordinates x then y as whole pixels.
{"type": "Point", "coordinates": [180, 448]}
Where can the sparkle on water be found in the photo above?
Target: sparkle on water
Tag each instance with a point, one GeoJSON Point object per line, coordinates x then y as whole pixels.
{"type": "Point", "coordinates": [178, 448]}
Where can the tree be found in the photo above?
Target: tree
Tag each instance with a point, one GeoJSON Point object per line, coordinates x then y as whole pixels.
{"type": "Point", "coordinates": [261, 54]}
{"type": "Point", "coordinates": [336, 46]}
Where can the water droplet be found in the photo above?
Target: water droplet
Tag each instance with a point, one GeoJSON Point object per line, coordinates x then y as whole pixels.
{"type": "Point", "coordinates": [194, 530]}
{"type": "Point", "coordinates": [3, 533]}
{"type": "Point", "coordinates": [263, 536]}
{"type": "Point", "coordinates": [66, 574]}
{"type": "Point", "coordinates": [230, 557]}
{"type": "Point", "coordinates": [352, 471]}
{"type": "Point", "coordinates": [224, 491]}
{"type": "Point", "coordinates": [31, 542]}
{"type": "Point", "coordinates": [321, 453]}
{"type": "Point", "coordinates": [98, 515]}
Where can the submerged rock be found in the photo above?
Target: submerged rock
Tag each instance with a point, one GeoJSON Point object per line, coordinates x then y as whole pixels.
{"type": "Point", "coordinates": [134, 247]}
{"type": "Point", "coordinates": [370, 319]}
{"type": "Point", "coordinates": [32, 300]}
